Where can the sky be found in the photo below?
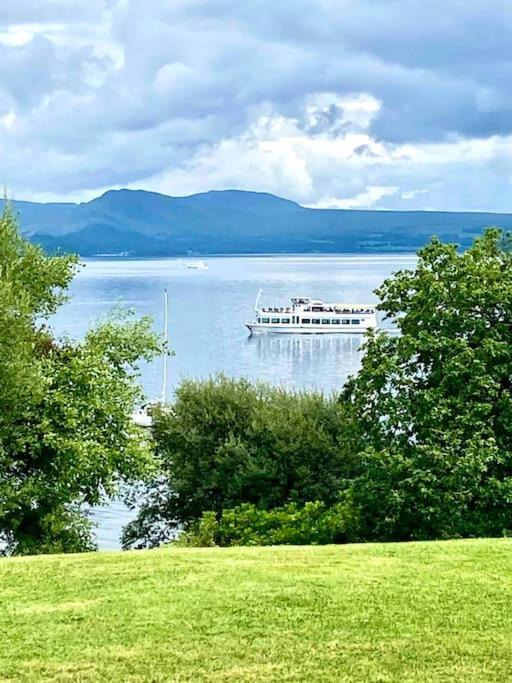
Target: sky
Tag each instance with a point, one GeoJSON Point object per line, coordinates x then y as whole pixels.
{"type": "Point", "coordinates": [385, 104]}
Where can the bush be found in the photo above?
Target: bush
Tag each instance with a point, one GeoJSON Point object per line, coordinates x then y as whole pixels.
{"type": "Point", "coordinates": [226, 442]}
{"type": "Point", "coordinates": [312, 524]}
{"type": "Point", "coordinates": [431, 493]}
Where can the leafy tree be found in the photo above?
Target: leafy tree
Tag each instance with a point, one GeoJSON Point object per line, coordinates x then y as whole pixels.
{"type": "Point", "coordinates": [66, 438]}
{"type": "Point", "coordinates": [433, 404]}
{"type": "Point", "coordinates": [225, 442]}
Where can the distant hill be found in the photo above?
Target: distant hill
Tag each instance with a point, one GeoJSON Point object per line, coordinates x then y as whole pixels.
{"type": "Point", "coordinates": [144, 223]}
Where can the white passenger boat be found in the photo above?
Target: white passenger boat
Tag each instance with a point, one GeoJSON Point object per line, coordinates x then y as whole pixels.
{"type": "Point", "coordinates": [196, 265]}
{"type": "Point", "coordinates": [311, 316]}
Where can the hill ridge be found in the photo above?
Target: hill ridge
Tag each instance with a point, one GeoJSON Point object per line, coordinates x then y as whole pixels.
{"type": "Point", "coordinates": [146, 223]}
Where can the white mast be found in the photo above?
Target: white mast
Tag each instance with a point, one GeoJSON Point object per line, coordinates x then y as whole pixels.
{"type": "Point", "coordinates": [142, 416]}
{"type": "Point", "coordinates": [257, 301]}
{"type": "Point", "coordinates": [165, 350]}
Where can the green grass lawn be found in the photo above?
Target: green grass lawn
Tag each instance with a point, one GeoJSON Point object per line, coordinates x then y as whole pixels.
{"type": "Point", "coordinates": [379, 612]}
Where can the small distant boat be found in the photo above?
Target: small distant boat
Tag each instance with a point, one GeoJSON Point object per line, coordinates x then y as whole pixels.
{"type": "Point", "coordinates": [196, 265]}
{"type": "Point", "coordinates": [312, 316]}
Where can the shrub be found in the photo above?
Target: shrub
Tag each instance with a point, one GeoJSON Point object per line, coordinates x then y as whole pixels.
{"type": "Point", "coordinates": [312, 524]}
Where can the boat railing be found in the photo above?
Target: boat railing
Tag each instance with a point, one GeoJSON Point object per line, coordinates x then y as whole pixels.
{"type": "Point", "coordinates": [317, 309]}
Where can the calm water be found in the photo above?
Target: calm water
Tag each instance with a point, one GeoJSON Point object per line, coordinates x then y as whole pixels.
{"type": "Point", "coordinates": [208, 309]}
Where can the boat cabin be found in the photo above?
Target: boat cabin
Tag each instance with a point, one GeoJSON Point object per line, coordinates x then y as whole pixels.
{"type": "Point", "coordinates": [312, 315]}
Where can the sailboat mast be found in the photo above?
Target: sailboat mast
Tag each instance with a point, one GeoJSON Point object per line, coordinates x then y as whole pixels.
{"type": "Point", "coordinates": [165, 354]}
{"type": "Point", "coordinates": [257, 300]}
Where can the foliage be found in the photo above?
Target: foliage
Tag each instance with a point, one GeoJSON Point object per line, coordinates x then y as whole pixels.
{"type": "Point", "coordinates": [313, 523]}
{"type": "Point", "coordinates": [201, 533]}
{"type": "Point", "coordinates": [66, 438]}
{"type": "Point", "coordinates": [225, 442]}
{"type": "Point", "coordinates": [433, 405]}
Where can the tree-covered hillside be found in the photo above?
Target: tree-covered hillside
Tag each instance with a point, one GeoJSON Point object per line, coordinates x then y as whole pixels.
{"type": "Point", "coordinates": [148, 224]}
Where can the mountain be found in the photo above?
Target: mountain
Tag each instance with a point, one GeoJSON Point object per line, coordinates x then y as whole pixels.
{"type": "Point", "coordinates": [144, 223]}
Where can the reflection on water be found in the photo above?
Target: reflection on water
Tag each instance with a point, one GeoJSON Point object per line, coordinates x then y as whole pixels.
{"type": "Point", "coordinates": [208, 310]}
{"type": "Point", "coordinates": [306, 361]}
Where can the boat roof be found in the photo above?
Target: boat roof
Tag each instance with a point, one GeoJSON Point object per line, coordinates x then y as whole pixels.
{"type": "Point", "coordinates": [319, 302]}
{"type": "Point", "coordinates": [344, 303]}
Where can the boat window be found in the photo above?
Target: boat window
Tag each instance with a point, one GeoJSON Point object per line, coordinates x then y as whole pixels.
{"type": "Point", "coordinates": [345, 322]}
{"type": "Point", "coordinates": [265, 320]}
{"type": "Point", "coordinates": [276, 320]}
{"type": "Point", "coordinates": [326, 321]}
{"type": "Point", "coordinates": [306, 321]}
{"type": "Point", "coordinates": [335, 321]}
{"type": "Point", "coordinates": [316, 321]}
{"type": "Point", "coordinates": [258, 320]}
{"type": "Point", "coordinates": [316, 309]}
{"type": "Point", "coordinates": [355, 322]}
{"type": "Point", "coordinates": [286, 321]}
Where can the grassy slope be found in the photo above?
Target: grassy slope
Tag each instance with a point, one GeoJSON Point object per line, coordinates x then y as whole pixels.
{"type": "Point", "coordinates": [410, 612]}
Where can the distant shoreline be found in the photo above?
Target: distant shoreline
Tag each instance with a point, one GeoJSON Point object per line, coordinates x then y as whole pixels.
{"type": "Point", "coordinates": [113, 257]}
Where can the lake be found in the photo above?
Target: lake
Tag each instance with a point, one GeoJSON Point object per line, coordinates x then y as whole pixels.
{"type": "Point", "coordinates": [207, 311]}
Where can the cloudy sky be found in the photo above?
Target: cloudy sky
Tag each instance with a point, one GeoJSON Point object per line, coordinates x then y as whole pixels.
{"type": "Point", "coordinates": [338, 103]}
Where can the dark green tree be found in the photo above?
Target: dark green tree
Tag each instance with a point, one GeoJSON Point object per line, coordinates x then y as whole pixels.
{"type": "Point", "coordinates": [66, 438]}
{"type": "Point", "coordinates": [432, 405]}
{"type": "Point", "coordinates": [225, 442]}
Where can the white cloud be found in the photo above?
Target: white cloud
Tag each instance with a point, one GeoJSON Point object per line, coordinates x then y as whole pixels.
{"type": "Point", "coordinates": [15, 36]}
{"type": "Point", "coordinates": [363, 200]}
{"type": "Point", "coordinates": [8, 119]}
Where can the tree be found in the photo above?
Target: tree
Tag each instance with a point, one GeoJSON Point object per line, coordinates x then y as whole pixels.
{"type": "Point", "coordinates": [66, 438]}
{"type": "Point", "coordinates": [433, 404]}
{"type": "Point", "coordinates": [224, 442]}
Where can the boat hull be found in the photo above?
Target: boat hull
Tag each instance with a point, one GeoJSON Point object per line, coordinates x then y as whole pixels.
{"type": "Point", "coordinates": [255, 328]}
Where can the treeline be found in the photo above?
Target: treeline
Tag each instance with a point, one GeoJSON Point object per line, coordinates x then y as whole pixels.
{"type": "Point", "coordinates": [417, 445]}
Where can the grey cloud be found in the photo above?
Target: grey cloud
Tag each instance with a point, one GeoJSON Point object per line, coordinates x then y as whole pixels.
{"type": "Point", "coordinates": [26, 70]}
{"type": "Point", "coordinates": [34, 70]}
{"type": "Point", "coordinates": [439, 69]}
{"type": "Point", "coordinates": [364, 151]}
